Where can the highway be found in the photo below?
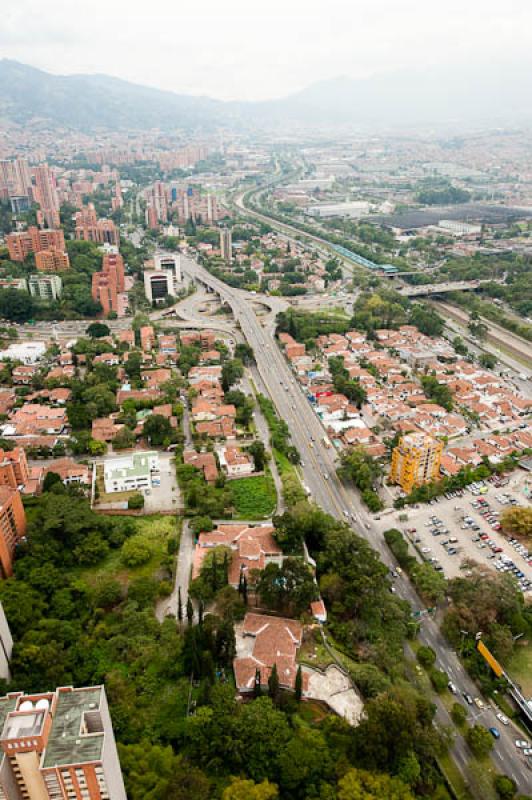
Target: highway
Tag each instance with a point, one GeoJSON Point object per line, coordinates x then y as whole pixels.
{"type": "Point", "coordinates": [319, 474]}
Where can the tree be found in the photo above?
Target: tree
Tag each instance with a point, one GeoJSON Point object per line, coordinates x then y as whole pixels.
{"type": "Point", "coordinates": [97, 330]}
{"type": "Point", "coordinates": [273, 684]}
{"type": "Point", "coordinates": [288, 587]}
{"type": "Point", "coordinates": [439, 392]}
{"type": "Point", "coordinates": [124, 439]}
{"type": "Point", "coordinates": [136, 501]}
{"type": "Point", "coordinates": [16, 305]}
{"type": "Point", "coordinates": [179, 605]}
{"type": "Point", "coordinates": [135, 552]}
{"type": "Point", "coordinates": [258, 452]}
{"type": "Point", "coordinates": [243, 789]}
{"type": "Point", "coordinates": [244, 353]}
{"type": "Point", "coordinates": [479, 740]}
{"type": "Point", "coordinates": [505, 787]}
{"type": "Point", "coordinates": [190, 612]}
{"type": "Point", "coordinates": [232, 371]}
{"type": "Point", "coordinates": [458, 714]}
{"type": "Point", "coordinates": [51, 479]}
{"type": "Point", "coordinates": [157, 430]}
{"type": "Point", "coordinates": [357, 784]}
{"type": "Point", "coordinates": [426, 656]}
{"type": "Point", "coordinates": [298, 687]}
{"type": "Point", "coordinates": [517, 520]}
{"type": "Point", "coordinates": [487, 360]}
{"type": "Point", "coordinates": [133, 365]}
{"type": "Point", "coordinates": [439, 679]}
{"type": "Point", "coordinates": [200, 524]}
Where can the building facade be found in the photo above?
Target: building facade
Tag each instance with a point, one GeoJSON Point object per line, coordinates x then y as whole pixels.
{"type": "Point", "coordinates": [47, 287]}
{"type": "Point", "coordinates": [131, 472]}
{"type": "Point", "coordinates": [415, 461]}
{"type": "Point", "coordinates": [52, 261]}
{"type": "Point", "coordinates": [226, 245]}
{"type": "Point", "coordinates": [12, 527]}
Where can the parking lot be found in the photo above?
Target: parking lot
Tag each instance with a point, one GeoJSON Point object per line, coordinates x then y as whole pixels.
{"type": "Point", "coordinates": [457, 531]}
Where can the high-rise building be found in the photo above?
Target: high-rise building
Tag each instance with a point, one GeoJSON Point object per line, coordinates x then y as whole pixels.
{"type": "Point", "coordinates": [47, 287]}
{"type": "Point", "coordinates": [46, 195]}
{"type": "Point", "coordinates": [14, 470]}
{"type": "Point", "coordinates": [59, 745]}
{"type": "Point", "coordinates": [92, 229]}
{"type": "Point", "coordinates": [226, 245]}
{"type": "Point", "coordinates": [415, 460]}
{"type": "Point", "coordinates": [20, 244]}
{"type": "Point", "coordinates": [52, 260]}
{"type": "Point", "coordinates": [15, 178]}
{"type": "Point", "coordinates": [12, 528]}
{"type": "Point", "coordinates": [6, 645]}
{"type": "Point", "coordinates": [113, 262]}
{"type": "Point", "coordinates": [104, 291]}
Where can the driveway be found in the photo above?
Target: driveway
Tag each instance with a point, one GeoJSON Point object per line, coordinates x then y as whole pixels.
{"type": "Point", "coordinates": [166, 496]}
{"type": "Point", "coordinates": [168, 606]}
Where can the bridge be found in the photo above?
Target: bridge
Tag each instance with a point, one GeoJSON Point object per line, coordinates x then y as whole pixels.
{"type": "Point", "coordinates": [426, 289]}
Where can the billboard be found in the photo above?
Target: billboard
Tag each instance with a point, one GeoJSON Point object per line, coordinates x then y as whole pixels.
{"type": "Point", "coordinates": [494, 664]}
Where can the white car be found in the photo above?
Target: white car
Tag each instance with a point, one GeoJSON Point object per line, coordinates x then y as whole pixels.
{"type": "Point", "coordinates": [522, 744]}
{"type": "Point", "coordinates": [503, 719]}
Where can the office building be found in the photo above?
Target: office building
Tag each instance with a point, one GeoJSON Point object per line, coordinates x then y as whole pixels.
{"type": "Point", "coordinates": [163, 280]}
{"type": "Point", "coordinates": [12, 527]}
{"type": "Point", "coordinates": [22, 243]}
{"type": "Point", "coordinates": [59, 745]}
{"type": "Point", "coordinates": [46, 195]}
{"type": "Point", "coordinates": [47, 287]}
{"type": "Point", "coordinates": [226, 245]}
{"type": "Point", "coordinates": [415, 461]}
{"type": "Point", "coordinates": [52, 260]}
{"type": "Point", "coordinates": [131, 472]}
{"type": "Point", "coordinates": [6, 645]}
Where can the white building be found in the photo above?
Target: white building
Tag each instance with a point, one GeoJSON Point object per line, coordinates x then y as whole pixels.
{"type": "Point", "coordinates": [131, 472]}
{"type": "Point", "coordinates": [354, 209]}
{"type": "Point", "coordinates": [6, 645]}
{"type": "Point", "coordinates": [235, 462]}
{"type": "Point", "coordinates": [459, 228]}
{"type": "Point", "coordinates": [163, 280]}
{"type": "Point", "coordinates": [26, 352]}
{"type": "Point", "coordinates": [47, 287]}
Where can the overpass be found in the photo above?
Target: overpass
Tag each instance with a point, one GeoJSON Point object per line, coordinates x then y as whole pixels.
{"type": "Point", "coordinates": [426, 289]}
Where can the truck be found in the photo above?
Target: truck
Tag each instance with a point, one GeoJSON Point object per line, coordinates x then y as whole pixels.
{"type": "Point", "coordinates": [326, 442]}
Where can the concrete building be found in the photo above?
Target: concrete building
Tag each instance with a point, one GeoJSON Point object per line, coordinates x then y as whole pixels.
{"type": "Point", "coordinates": [12, 527]}
{"type": "Point", "coordinates": [109, 282]}
{"type": "Point", "coordinates": [130, 472]}
{"type": "Point", "coordinates": [415, 461]}
{"type": "Point", "coordinates": [226, 245]}
{"type": "Point", "coordinates": [59, 746]}
{"type": "Point", "coordinates": [47, 287]}
{"type": "Point", "coordinates": [27, 352]}
{"type": "Point", "coordinates": [14, 470]}
{"type": "Point", "coordinates": [235, 462]}
{"type": "Point", "coordinates": [6, 645]}
{"type": "Point", "coordinates": [163, 280]}
{"type": "Point", "coordinates": [46, 195]}
{"type": "Point", "coordinates": [52, 261]}
{"type": "Point", "coordinates": [353, 209]}
{"type": "Point", "coordinates": [21, 243]}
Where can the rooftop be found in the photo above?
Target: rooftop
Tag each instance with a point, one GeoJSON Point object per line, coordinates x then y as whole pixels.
{"type": "Point", "coordinates": [70, 740]}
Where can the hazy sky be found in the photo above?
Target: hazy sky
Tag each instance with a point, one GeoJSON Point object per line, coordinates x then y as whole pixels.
{"type": "Point", "coordinates": [256, 49]}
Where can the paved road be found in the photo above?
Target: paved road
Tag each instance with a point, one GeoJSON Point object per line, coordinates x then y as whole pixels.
{"type": "Point", "coordinates": [319, 475]}
{"type": "Point", "coordinates": [182, 578]}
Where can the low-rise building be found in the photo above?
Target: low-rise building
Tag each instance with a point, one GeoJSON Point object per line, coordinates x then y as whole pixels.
{"type": "Point", "coordinates": [130, 472]}
{"type": "Point", "coordinates": [235, 462]}
{"type": "Point", "coordinates": [47, 287]}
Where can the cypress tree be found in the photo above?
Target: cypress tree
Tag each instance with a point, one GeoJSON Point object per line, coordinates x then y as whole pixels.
{"type": "Point", "coordinates": [273, 684]}
{"type": "Point", "coordinates": [190, 611]}
{"type": "Point", "coordinates": [179, 605]}
{"type": "Point", "coordinates": [299, 684]}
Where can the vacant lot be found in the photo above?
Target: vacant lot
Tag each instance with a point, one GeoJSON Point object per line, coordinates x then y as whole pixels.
{"type": "Point", "coordinates": [254, 498]}
{"type": "Point", "coordinates": [155, 532]}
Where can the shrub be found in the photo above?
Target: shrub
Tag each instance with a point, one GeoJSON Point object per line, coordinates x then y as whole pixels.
{"type": "Point", "coordinates": [458, 714]}
{"type": "Point", "coordinates": [136, 501]}
{"type": "Point", "coordinates": [439, 679]}
{"type": "Point", "coordinates": [135, 552]}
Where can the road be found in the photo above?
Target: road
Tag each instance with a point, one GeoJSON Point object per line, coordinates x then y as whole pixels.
{"type": "Point", "coordinates": [319, 474]}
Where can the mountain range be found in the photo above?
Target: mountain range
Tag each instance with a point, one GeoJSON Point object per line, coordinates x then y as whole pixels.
{"type": "Point", "coordinates": [453, 96]}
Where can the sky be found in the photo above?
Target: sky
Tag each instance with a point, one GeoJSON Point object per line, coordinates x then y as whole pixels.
{"type": "Point", "coordinates": [259, 49]}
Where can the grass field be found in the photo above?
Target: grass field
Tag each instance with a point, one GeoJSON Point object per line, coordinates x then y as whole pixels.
{"type": "Point", "coordinates": [520, 667]}
{"type": "Point", "coordinates": [155, 531]}
{"type": "Point", "coordinates": [254, 498]}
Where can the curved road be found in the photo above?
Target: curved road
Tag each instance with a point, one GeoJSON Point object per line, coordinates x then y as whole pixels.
{"type": "Point", "coordinates": [319, 474]}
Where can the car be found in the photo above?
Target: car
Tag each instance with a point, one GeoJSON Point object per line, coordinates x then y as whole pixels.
{"type": "Point", "coordinates": [522, 744]}
{"type": "Point", "coordinates": [467, 697]}
{"type": "Point", "coordinates": [452, 688]}
{"type": "Point", "coordinates": [503, 719]}
{"type": "Point", "coordinates": [527, 751]}
{"type": "Point", "coordinates": [479, 702]}
{"type": "Point", "coordinates": [425, 549]}
{"type": "Point", "coordinates": [452, 551]}
{"type": "Point", "coordinates": [495, 732]}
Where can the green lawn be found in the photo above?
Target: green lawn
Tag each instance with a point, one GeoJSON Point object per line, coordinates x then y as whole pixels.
{"type": "Point", "coordinates": [254, 498]}
{"type": "Point", "coordinates": [520, 667]}
{"type": "Point", "coordinates": [155, 530]}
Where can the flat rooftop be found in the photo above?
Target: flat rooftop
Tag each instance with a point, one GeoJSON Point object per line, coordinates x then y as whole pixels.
{"type": "Point", "coordinates": [66, 743]}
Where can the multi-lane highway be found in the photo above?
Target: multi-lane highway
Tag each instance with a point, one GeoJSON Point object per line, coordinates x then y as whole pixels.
{"type": "Point", "coordinates": [319, 474]}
